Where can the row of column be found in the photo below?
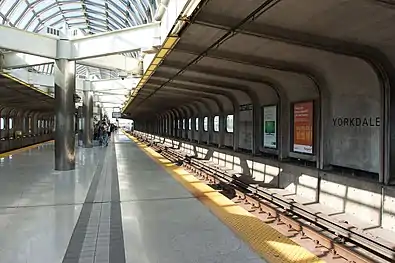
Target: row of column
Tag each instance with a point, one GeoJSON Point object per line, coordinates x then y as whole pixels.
{"type": "Point", "coordinates": [65, 115]}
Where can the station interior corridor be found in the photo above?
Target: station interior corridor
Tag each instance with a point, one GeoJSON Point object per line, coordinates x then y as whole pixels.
{"type": "Point", "coordinates": [118, 205]}
{"type": "Point", "coordinates": [249, 131]}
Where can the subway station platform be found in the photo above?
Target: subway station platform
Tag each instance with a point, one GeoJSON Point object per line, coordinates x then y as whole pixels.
{"type": "Point", "coordinates": [119, 205]}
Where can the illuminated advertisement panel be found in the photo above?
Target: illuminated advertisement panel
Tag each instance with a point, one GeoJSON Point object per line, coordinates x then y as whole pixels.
{"type": "Point", "coordinates": [270, 127]}
{"type": "Point", "coordinates": [303, 127]}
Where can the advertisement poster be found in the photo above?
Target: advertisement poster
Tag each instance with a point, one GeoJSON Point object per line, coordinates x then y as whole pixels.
{"type": "Point", "coordinates": [303, 127]}
{"type": "Point", "coordinates": [270, 127]}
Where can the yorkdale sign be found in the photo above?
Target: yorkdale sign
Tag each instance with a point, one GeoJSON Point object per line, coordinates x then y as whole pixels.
{"type": "Point", "coordinates": [356, 122]}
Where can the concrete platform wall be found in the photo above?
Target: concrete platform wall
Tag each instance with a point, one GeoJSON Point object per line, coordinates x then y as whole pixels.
{"type": "Point", "coordinates": [369, 201]}
{"type": "Point", "coordinates": [13, 144]}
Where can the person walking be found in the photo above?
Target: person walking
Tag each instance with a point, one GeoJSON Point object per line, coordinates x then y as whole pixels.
{"type": "Point", "coordinates": [105, 130]}
{"type": "Point", "coordinates": [109, 130]}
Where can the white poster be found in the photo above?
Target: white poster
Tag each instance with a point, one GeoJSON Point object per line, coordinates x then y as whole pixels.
{"type": "Point", "coordinates": [270, 127]}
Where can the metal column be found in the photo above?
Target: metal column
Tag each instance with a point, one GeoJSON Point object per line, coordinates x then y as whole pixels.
{"type": "Point", "coordinates": [101, 112]}
{"type": "Point", "coordinates": [65, 115]}
{"type": "Point", "coordinates": [88, 115]}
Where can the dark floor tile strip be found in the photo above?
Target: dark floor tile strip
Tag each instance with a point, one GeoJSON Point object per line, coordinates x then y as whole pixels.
{"type": "Point", "coordinates": [43, 205]}
{"type": "Point", "coordinates": [117, 245]}
{"type": "Point", "coordinates": [74, 248]}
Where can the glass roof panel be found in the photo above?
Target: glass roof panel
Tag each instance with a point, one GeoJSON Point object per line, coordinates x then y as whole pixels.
{"type": "Point", "coordinates": [35, 23]}
{"type": "Point", "coordinates": [97, 15]}
{"type": "Point", "coordinates": [8, 6]}
{"type": "Point", "coordinates": [96, 8]}
{"type": "Point", "coordinates": [91, 17]}
{"type": "Point", "coordinates": [33, 15]}
{"type": "Point", "coordinates": [17, 11]}
{"type": "Point", "coordinates": [39, 5]}
{"type": "Point", "coordinates": [72, 13]}
{"type": "Point", "coordinates": [25, 19]}
{"type": "Point", "coordinates": [118, 17]}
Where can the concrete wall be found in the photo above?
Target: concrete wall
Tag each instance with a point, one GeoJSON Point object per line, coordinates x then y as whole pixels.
{"type": "Point", "coordinates": [389, 208]}
{"type": "Point", "coordinates": [228, 139]}
{"type": "Point", "coordinates": [349, 146]}
{"type": "Point", "coordinates": [12, 144]}
{"type": "Point", "coordinates": [205, 134]}
{"type": "Point", "coordinates": [341, 194]}
{"type": "Point", "coordinates": [354, 97]}
{"type": "Point", "coordinates": [196, 128]}
{"type": "Point", "coordinates": [342, 88]}
{"type": "Point", "coordinates": [245, 129]}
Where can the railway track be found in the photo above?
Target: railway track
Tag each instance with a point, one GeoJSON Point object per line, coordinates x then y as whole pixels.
{"type": "Point", "coordinates": [339, 240]}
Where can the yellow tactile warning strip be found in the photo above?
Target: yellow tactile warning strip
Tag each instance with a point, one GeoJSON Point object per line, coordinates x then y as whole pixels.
{"type": "Point", "coordinates": [6, 154]}
{"type": "Point", "coordinates": [264, 240]}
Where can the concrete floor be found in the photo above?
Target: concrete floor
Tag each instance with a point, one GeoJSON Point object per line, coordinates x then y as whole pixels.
{"type": "Point", "coordinates": [117, 206]}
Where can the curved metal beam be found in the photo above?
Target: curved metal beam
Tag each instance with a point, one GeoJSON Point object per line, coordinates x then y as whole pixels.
{"type": "Point", "coordinates": [213, 97]}
{"type": "Point", "coordinates": [231, 74]}
{"type": "Point", "coordinates": [307, 71]}
{"type": "Point", "coordinates": [187, 94]}
{"type": "Point", "coordinates": [232, 98]}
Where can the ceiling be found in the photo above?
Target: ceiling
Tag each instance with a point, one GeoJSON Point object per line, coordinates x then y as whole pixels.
{"type": "Point", "coordinates": [88, 16]}
{"type": "Point", "coordinates": [226, 51]}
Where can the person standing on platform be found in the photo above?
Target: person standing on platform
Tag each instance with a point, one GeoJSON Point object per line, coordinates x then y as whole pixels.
{"type": "Point", "coordinates": [109, 130]}
{"type": "Point", "coordinates": [105, 133]}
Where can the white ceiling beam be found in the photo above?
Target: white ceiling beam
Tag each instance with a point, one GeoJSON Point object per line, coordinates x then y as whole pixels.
{"type": "Point", "coordinates": [18, 40]}
{"type": "Point", "coordinates": [112, 62]}
{"type": "Point", "coordinates": [99, 45]}
{"type": "Point", "coordinates": [14, 60]}
{"type": "Point", "coordinates": [115, 42]}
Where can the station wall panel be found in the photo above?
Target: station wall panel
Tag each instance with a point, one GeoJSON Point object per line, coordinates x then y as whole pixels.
{"type": "Point", "coordinates": [228, 139]}
{"type": "Point", "coordinates": [355, 132]}
{"type": "Point", "coordinates": [245, 129]}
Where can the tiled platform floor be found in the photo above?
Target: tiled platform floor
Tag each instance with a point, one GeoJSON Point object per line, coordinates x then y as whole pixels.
{"type": "Point", "coordinates": [117, 206]}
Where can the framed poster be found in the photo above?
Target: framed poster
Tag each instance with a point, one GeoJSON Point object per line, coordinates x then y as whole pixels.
{"type": "Point", "coordinates": [303, 127]}
{"type": "Point", "coordinates": [270, 127]}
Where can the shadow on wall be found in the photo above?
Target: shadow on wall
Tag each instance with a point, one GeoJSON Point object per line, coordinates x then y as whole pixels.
{"type": "Point", "coordinates": [340, 194]}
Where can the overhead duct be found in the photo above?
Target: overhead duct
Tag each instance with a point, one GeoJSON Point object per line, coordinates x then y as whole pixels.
{"type": "Point", "coordinates": [161, 10]}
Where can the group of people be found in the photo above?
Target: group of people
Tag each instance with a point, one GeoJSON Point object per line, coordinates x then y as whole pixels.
{"type": "Point", "coordinates": [103, 132]}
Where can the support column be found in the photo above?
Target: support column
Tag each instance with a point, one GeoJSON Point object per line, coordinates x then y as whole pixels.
{"type": "Point", "coordinates": [236, 128]}
{"type": "Point", "coordinates": [88, 115]}
{"type": "Point", "coordinates": [101, 112]}
{"type": "Point", "coordinates": [96, 108]}
{"type": "Point", "coordinates": [222, 127]}
{"type": "Point", "coordinates": [256, 128]}
{"type": "Point", "coordinates": [65, 115]}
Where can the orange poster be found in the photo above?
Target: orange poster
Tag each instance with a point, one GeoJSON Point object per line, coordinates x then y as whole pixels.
{"type": "Point", "coordinates": [303, 127]}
